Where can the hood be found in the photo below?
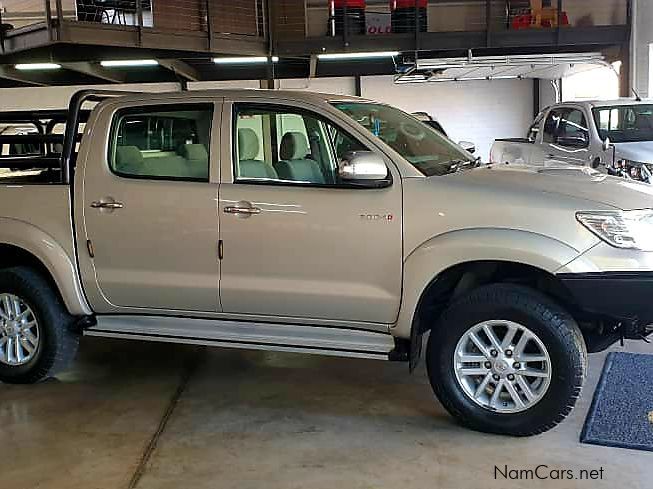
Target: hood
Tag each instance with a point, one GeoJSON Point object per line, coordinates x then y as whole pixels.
{"type": "Point", "coordinates": [640, 151]}
{"type": "Point", "coordinates": [579, 183]}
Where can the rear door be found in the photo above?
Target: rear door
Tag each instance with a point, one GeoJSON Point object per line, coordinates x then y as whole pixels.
{"type": "Point", "coordinates": [150, 229]}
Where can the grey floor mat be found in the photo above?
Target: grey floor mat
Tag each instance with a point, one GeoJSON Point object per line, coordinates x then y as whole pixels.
{"type": "Point", "coordinates": [621, 414]}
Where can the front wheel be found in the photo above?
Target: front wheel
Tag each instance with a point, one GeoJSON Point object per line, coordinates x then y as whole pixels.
{"type": "Point", "coordinates": [506, 359]}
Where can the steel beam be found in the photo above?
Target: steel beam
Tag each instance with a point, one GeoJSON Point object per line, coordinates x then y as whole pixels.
{"type": "Point", "coordinates": [181, 69]}
{"type": "Point", "coordinates": [11, 73]}
{"type": "Point", "coordinates": [94, 70]}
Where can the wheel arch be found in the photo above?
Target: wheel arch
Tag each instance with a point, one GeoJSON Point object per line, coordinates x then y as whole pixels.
{"type": "Point", "coordinates": [456, 260]}
{"type": "Point", "coordinates": [24, 244]}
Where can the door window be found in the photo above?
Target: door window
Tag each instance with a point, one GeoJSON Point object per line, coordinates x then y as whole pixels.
{"type": "Point", "coordinates": [162, 142]}
{"type": "Point", "coordinates": [290, 146]}
{"type": "Point", "coordinates": [551, 127]}
{"type": "Point", "coordinates": [572, 129]}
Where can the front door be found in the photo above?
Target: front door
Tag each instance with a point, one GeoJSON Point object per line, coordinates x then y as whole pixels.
{"type": "Point", "coordinates": [150, 212]}
{"type": "Point", "coordinates": [297, 242]}
{"type": "Point", "coordinates": [567, 137]}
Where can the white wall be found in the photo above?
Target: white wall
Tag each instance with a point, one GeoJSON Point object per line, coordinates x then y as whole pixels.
{"type": "Point", "coordinates": [601, 83]}
{"type": "Point", "coordinates": [338, 86]}
{"type": "Point", "coordinates": [650, 65]}
{"type": "Point", "coordinates": [477, 111]}
{"type": "Point", "coordinates": [58, 97]}
{"type": "Point", "coordinates": [641, 50]}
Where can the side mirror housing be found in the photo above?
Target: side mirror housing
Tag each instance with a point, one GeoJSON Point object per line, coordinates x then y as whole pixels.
{"type": "Point", "coordinates": [468, 146]}
{"type": "Point", "coordinates": [364, 169]}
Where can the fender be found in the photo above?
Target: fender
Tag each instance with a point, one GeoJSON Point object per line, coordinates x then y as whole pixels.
{"type": "Point", "coordinates": [53, 256]}
{"type": "Point", "coordinates": [442, 252]}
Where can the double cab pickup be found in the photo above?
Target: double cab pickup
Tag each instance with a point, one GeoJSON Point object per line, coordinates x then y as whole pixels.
{"type": "Point", "coordinates": [311, 223]}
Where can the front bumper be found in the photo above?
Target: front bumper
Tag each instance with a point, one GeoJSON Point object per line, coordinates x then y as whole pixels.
{"type": "Point", "coordinates": [625, 297]}
{"type": "Point", "coordinates": [632, 172]}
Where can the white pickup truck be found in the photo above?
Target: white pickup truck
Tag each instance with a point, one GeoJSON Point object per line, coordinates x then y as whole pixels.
{"type": "Point", "coordinates": [321, 224]}
{"type": "Point", "coordinates": [612, 135]}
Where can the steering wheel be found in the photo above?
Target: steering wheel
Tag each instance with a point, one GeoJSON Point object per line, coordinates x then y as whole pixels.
{"type": "Point", "coordinates": [412, 131]}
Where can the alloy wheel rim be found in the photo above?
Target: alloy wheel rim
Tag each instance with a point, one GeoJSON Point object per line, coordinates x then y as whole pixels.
{"type": "Point", "coordinates": [19, 331]}
{"type": "Point", "coordinates": [502, 366]}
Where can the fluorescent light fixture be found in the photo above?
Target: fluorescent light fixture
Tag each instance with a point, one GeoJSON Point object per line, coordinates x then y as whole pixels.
{"type": "Point", "coordinates": [245, 60]}
{"type": "Point", "coordinates": [126, 63]}
{"type": "Point", "coordinates": [37, 66]}
{"type": "Point", "coordinates": [352, 56]}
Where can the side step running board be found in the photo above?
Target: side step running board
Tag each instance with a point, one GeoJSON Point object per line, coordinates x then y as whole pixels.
{"type": "Point", "coordinates": [247, 335]}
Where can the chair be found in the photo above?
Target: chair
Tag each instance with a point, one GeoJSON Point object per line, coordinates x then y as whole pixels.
{"type": "Point", "coordinates": [296, 164]}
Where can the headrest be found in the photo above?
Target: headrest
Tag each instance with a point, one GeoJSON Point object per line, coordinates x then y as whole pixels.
{"type": "Point", "coordinates": [128, 155]}
{"type": "Point", "coordinates": [194, 152]}
{"type": "Point", "coordinates": [248, 144]}
{"type": "Point", "coordinates": [294, 146]}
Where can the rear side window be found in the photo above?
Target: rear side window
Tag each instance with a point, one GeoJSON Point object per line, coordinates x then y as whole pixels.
{"type": "Point", "coordinates": [162, 142]}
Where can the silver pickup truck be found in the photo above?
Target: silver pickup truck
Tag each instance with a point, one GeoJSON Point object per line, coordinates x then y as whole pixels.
{"type": "Point", "coordinates": [615, 135]}
{"type": "Point", "coordinates": [322, 224]}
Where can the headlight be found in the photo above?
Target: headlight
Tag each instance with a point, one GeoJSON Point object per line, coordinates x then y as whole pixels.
{"type": "Point", "coordinates": [622, 229]}
{"type": "Point", "coordinates": [641, 172]}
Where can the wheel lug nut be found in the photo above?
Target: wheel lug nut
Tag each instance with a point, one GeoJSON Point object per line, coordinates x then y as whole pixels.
{"type": "Point", "coordinates": [508, 353]}
{"type": "Point", "coordinates": [494, 353]}
{"type": "Point", "coordinates": [488, 365]}
{"type": "Point", "coordinates": [496, 377]}
{"type": "Point", "coordinates": [511, 377]}
{"type": "Point", "coordinates": [516, 365]}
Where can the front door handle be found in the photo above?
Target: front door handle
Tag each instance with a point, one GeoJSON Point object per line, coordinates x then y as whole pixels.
{"type": "Point", "coordinates": [246, 211]}
{"type": "Point", "coordinates": [107, 205]}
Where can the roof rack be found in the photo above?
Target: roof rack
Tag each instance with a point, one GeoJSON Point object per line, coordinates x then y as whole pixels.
{"type": "Point", "coordinates": [72, 125]}
{"type": "Point", "coordinates": [73, 117]}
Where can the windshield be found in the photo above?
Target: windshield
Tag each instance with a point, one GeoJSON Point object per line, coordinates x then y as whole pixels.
{"type": "Point", "coordinates": [625, 123]}
{"type": "Point", "coordinates": [422, 146]}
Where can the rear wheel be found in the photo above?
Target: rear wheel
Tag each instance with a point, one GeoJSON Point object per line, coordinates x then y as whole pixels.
{"type": "Point", "coordinates": [505, 359]}
{"type": "Point", "coordinates": [36, 337]}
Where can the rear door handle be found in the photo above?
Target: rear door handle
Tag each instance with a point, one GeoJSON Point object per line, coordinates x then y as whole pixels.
{"type": "Point", "coordinates": [107, 205]}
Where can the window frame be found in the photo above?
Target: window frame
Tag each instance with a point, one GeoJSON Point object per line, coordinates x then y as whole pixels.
{"type": "Point", "coordinates": [236, 106]}
{"type": "Point", "coordinates": [134, 110]}
{"type": "Point", "coordinates": [564, 116]}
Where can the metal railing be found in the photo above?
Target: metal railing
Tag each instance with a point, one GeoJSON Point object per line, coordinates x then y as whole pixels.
{"type": "Point", "coordinates": [235, 17]}
{"type": "Point", "coordinates": [380, 19]}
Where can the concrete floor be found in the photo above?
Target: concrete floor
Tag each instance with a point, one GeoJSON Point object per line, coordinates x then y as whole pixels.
{"type": "Point", "coordinates": [168, 416]}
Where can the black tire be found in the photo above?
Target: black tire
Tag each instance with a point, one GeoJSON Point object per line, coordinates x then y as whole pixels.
{"type": "Point", "coordinates": [58, 343]}
{"type": "Point", "coordinates": [554, 327]}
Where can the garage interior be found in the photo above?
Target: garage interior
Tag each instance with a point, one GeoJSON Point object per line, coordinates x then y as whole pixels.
{"type": "Point", "coordinates": [150, 415]}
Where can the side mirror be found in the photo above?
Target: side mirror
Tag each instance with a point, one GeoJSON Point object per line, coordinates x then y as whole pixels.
{"type": "Point", "coordinates": [363, 169]}
{"type": "Point", "coordinates": [468, 146]}
{"type": "Point", "coordinates": [607, 144]}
